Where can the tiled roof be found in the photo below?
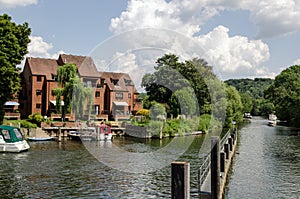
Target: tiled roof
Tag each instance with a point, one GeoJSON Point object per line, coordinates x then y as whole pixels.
{"type": "Point", "coordinates": [123, 80]}
{"type": "Point", "coordinates": [42, 66]}
{"type": "Point", "coordinates": [85, 64]}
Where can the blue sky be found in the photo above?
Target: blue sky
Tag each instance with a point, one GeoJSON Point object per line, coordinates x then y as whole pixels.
{"type": "Point", "coordinates": [239, 38]}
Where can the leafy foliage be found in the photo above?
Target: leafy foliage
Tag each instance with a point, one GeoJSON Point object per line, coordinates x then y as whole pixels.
{"type": "Point", "coordinates": [143, 112]}
{"type": "Point", "coordinates": [284, 92]}
{"type": "Point", "coordinates": [36, 118]}
{"type": "Point", "coordinates": [252, 94]}
{"type": "Point", "coordinates": [13, 47]}
{"type": "Point", "coordinates": [74, 94]}
{"type": "Point", "coordinates": [234, 106]}
{"type": "Point", "coordinates": [180, 85]}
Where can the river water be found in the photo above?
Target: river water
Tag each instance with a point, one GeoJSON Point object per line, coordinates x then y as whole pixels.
{"type": "Point", "coordinates": [68, 170]}
{"type": "Point", "coordinates": [267, 166]}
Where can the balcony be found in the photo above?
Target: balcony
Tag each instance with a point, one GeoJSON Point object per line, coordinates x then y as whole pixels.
{"type": "Point", "coordinates": [57, 116]}
{"type": "Point", "coordinates": [11, 116]}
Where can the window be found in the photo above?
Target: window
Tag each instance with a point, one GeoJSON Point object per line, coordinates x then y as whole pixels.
{"type": "Point", "coordinates": [114, 81]}
{"type": "Point", "coordinates": [18, 134]}
{"type": "Point", "coordinates": [119, 95]}
{"type": "Point", "coordinates": [97, 108]}
{"type": "Point", "coordinates": [54, 77]}
{"type": "Point", "coordinates": [38, 106]}
{"type": "Point", "coordinates": [128, 82]}
{"type": "Point", "coordinates": [5, 134]}
{"type": "Point", "coordinates": [39, 78]}
{"type": "Point", "coordinates": [129, 95]}
{"type": "Point", "coordinates": [38, 92]}
{"type": "Point", "coordinates": [97, 94]}
{"type": "Point", "coordinates": [102, 81]}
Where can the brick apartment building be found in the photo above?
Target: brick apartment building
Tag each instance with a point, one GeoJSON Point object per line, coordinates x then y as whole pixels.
{"type": "Point", "coordinates": [115, 95]}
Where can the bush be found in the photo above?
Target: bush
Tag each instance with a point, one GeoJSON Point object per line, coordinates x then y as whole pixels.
{"type": "Point", "coordinates": [155, 127]}
{"type": "Point", "coordinates": [23, 123]}
{"type": "Point", "coordinates": [36, 118]}
{"type": "Point", "coordinates": [204, 123]}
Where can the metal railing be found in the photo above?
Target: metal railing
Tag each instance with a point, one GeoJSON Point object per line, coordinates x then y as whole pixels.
{"type": "Point", "coordinates": [206, 163]}
{"type": "Point", "coordinates": [224, 140]}
{"type": "Point", "coordinates": [203, 170]}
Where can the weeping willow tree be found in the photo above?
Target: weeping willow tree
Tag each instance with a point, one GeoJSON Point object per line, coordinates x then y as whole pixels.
{"type": "Point", "coordinates": [71, 91]}
{"type": "Point", "coordinates": [82, 99]}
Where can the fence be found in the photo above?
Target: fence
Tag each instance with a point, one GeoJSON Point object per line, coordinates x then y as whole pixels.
{"type": "Point", "coordinates": [213, 165]}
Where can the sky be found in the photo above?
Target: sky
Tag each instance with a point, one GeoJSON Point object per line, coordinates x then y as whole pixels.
{"type": "Point", "coordinates": [239, 38]}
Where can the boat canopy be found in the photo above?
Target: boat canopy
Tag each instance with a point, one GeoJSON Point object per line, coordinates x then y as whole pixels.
{"type": "Point", "coordinates": [10, 134]}
{"type": "Point", "coordinates": [9, 103]}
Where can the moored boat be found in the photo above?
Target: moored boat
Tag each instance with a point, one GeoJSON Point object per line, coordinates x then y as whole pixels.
{"type": "Point", "coordinates": [272, 120]}
{"type": "Point", "coordinates": [12, 140]}
{"type": "Point", "coordinates": [105, 133]}
{"type": "Point", "coordinates": [40, 139]}
{"type": "Point", "coordinates": [247, 116]}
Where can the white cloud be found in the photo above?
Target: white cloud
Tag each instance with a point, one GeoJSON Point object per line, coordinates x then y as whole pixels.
{"type": "Point", "coordinates": [274, 17]}
{"type": "Point", "coordinates": [229, 55]}
{"type": "Point", "coordinates": [232, 54]}
{"type": "Point", "coordinates": [296, 62]}
{"type": "Point", "coordinates": [152, 14]}
{"type": "Point", "coordinates": [39, 48]}
{"type": "Point", "coordinates": [14, 3]}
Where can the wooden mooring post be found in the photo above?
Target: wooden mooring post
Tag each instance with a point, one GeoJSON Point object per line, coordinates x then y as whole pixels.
{"type": "Point", "coordinates": [215, 167]}
{"type": "Point", "coordinates": [59, 135]}
{"type": "Point", "coordinates": [180, 180]}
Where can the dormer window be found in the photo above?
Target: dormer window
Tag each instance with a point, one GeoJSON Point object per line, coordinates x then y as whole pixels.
{"type": "Point", "coordinates": [128, 82]}
{"type": "Point", "coordinates": [114, 81]}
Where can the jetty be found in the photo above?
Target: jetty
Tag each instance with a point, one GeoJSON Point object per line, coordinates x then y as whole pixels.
{"type": "Point", "coordinates": [213, 173]}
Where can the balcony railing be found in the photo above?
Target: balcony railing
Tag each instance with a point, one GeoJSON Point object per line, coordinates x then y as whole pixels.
{"type": "Point", "coordinates": [12, 115]}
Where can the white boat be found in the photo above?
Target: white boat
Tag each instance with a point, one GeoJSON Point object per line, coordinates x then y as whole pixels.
{"type": "Point", "coordinates": [105, 133]}
{"type": "Point", "coordinates": [272, 120]}
{"type": "Point", "coordinates": [12, 140]}
{"type": "Point", "coordinates": [40, 139]}
{"type": "Point", "coordinates": [247, 116]}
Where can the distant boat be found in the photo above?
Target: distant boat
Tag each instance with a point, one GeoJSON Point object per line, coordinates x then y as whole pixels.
{"type": "Point", "coordinates": [272, 120]}
{"type": "Point", "coordinates": [41, 139]}
{"type": "Point", "coordinates": [12, 140]}
{"type": "Point", "coordinates": [247, 116]}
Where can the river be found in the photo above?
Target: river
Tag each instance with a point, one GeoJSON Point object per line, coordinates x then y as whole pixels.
{"type": "Point", "coordinates": [267, 164]}
{"type": "Point", "coordinates": [68, 170]}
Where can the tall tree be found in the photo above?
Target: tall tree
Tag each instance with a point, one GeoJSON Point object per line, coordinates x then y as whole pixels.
{"type": "Point", "coordinates": [171, 76]}
{"type": "Point", "coordinates": [72, 91]}
{"type": "Point", "coordinates": [14, 40]}
{"type": "Point", "coordinates": [284, 93]}
{"type": "Point", "coordinates": [234, 106]}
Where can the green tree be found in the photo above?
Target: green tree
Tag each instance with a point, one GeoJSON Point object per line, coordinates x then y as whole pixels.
{"type": "Point", "coordinates": [72, 91]}
{"type": "Point", "coordinates": [157, 111]}
{"type": "Point", "coordinates": [14, 40]}
{"type": "Point", "coordinates": [284, 93]}
{"type": "Point", "coordinates": [234, 106]}
{"type": "Point", "coordinates": [247, 102]}
{"type": "Point", "coordinates": [252, 89]}
{"type": "Point", "coordinates": [171, 76]}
